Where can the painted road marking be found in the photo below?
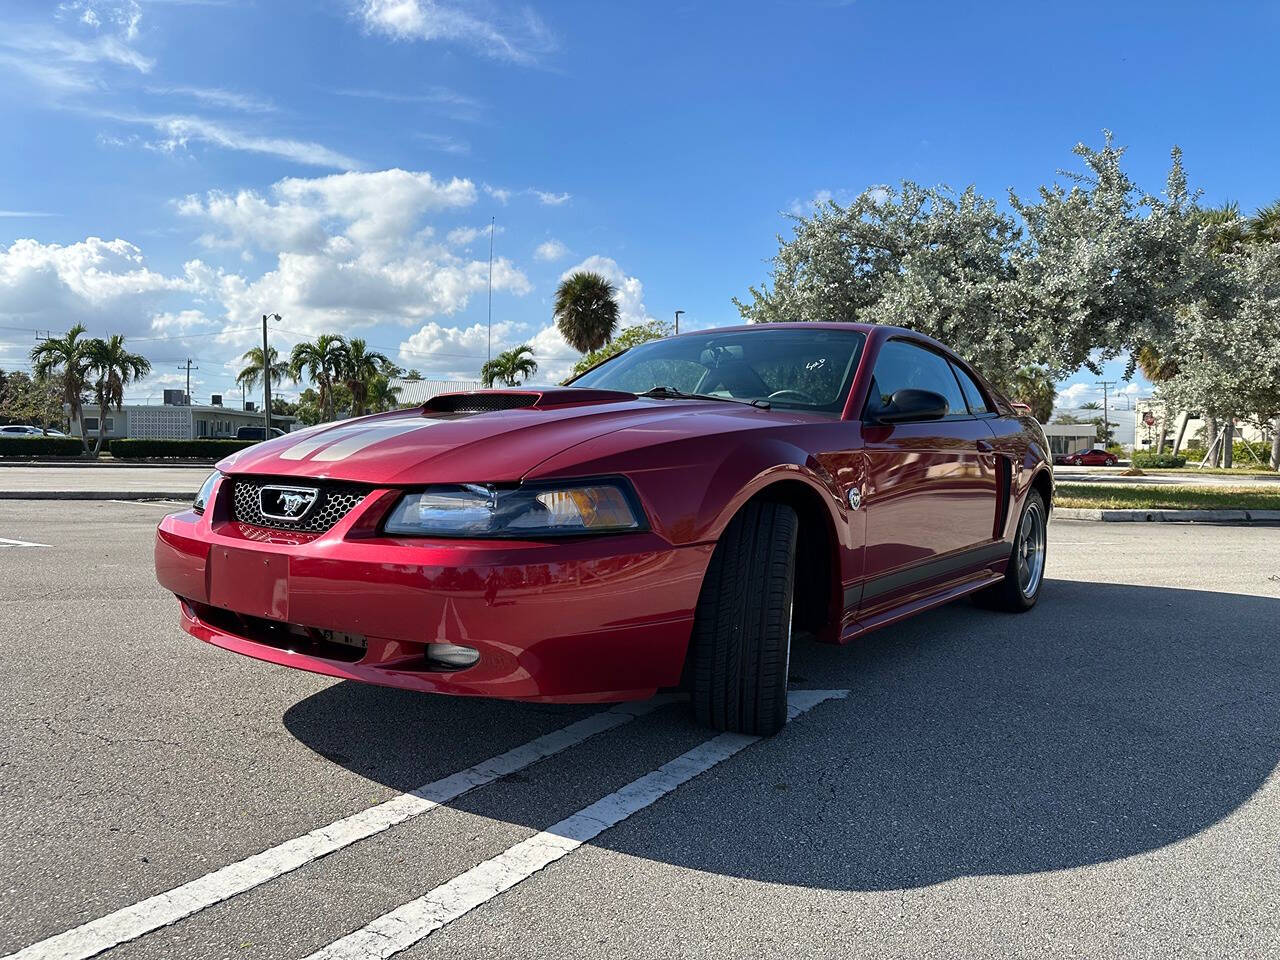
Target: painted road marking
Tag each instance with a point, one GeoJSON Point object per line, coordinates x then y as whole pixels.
{"type": "Point", "coordinates": [414, 921]}
{"type": "Point", "coordinates": [129, 923]}
{"type": "Point", "coordinates": [5, 542]}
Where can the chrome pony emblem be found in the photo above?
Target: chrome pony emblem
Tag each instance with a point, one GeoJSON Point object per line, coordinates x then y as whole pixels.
{"type": "Point", "coordinates": [287, 503]}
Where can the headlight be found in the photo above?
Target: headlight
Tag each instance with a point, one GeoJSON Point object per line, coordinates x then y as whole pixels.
{"type": "Point", "coordinates": [206, 491]}
{"type": "Point", "coordinates": [533, 510]}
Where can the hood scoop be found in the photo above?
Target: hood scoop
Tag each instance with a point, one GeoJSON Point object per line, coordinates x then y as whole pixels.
{"type": "Point", "coordinates": [488, 401]}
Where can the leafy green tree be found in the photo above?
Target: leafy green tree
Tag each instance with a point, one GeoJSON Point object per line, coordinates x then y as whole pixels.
{"type": "Point", "coordinates": [360, 367]}
{"type": "Point", "coordinates": [586, 310]}
{"type": "Point", "coordinates": [33, 400]}
{"type": "Point", "coordinates": [510, 368]}
{"type": "Point", "coordinates": [628, 338]}
{"type": "Point", "coordinates": [66, 357]}
{"type": "Point", "coordinates": [115, 367]}
{"type": "Point", "coordinates": [413, 374]}
{"type": "Point", "coordinates": [322, 361]}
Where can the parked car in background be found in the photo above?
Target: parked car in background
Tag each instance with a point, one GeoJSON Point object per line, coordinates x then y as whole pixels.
{"type": "Point", "coordinates": [257, 433]}
{"type": "Point", "coordinates": [1091, 458]}
{"type": "Point", "coordinates": [674, 514]}
{"type": "Point", "coordinates": [26, 430]}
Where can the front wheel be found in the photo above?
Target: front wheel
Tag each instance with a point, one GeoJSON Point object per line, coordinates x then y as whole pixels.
{"type": "Point", "coordinates": [1020, 588]}
{"type": "Point", "coordinates": [741, 644]}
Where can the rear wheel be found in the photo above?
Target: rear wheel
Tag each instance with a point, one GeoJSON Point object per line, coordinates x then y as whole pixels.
{"type": "Point", "coordinates": [741, 644]}
{"type": "Point", "coordinates": [1020, 588]}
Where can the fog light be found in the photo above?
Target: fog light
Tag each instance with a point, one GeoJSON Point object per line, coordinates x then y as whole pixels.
{"type": "Point", "coordinates": [452, 655]}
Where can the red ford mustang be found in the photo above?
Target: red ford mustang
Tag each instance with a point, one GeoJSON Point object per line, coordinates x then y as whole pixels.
{"type": "Point", "coordinates": [673, 516]}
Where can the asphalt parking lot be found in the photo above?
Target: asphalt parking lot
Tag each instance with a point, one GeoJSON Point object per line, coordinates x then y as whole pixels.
{"type": "Point", "coordinates": [1095, 778]}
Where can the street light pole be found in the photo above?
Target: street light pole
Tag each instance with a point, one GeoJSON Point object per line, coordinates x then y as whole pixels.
{"type": "Point", "coordinates": [1106, 423]}
{"type": "Point", "coordinates": [266, 374]}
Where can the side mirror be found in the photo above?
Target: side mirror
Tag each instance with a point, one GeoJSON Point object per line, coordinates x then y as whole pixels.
{"type": "Point", "coordinates": [907, 405]}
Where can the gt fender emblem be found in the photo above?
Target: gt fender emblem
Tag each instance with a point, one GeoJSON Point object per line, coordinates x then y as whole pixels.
{"type": "Point", "coordinates": [855, 497]}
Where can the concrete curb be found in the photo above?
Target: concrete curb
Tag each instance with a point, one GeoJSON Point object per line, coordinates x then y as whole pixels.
{"type": "Point", "coordinates": [1167, 516]}
{"type": "Point", "coordinates": [185, 495]}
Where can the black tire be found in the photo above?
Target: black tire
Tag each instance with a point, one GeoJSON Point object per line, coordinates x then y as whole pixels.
{"type": "Point", "coordinates": [1018, 592]}
{"type": "Point", "coordinates": [741, 645]}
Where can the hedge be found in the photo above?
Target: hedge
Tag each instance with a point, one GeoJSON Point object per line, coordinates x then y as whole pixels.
{"type": "Point", "coordinates": [40, 446]}
{"type": "Point", "coordinates": [1148, 458]}
{"type": "Point", "coordinates": [137, 449]}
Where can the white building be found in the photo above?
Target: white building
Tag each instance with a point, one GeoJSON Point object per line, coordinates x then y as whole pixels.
{"type": "Point", "coordinates": [173, 421]}
{"type": "Point", "coordinates": [1146, 437]}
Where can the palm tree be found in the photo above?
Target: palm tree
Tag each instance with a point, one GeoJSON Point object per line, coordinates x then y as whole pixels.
{"type": "Point", "coordinates": [383, 394]}
{"type": "Point", "coordinates": [1034, 387]}
{"type": "Point", "coordinates": [511, 367]}
{"type": "Point", "coordinates": [360, 367]}
{"type": "Point", "coordinates": [1226, 226]}
{"type": "Point", "coordinates": [321, 361]}
{"type": "Point", "coordinates": [1264, 225]}
{"type": "Point", "coordinates": [251, 375]}
{"type": "Point", "coordinates": [115, 368]}
{"type": "Point", "coordinates": [68, 356]}
{"type": "Point", "coordinates": [586, 311]}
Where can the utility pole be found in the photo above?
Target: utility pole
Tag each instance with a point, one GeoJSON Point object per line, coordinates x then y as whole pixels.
{"type": "Point", "coordinates": [1106, 424]}
{"type": "Point", "coordinates": [492, 223]}
{"type": "Point", "coordinates": [187, 395]}
{"type": "Point", "coordinates": [266, 374]}
{"type": "Point", "coordinates": [678, 312]}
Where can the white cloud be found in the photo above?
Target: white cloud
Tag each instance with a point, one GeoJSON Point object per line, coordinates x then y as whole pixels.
{"type": "Point", "coordinates": [177, 132]}
{"type": "Point", "coordinates": [124, 16]}
{"type": "Point", "coordinates": [504, 194]}
{"type": "Point", "coordinates": [373, 208]}
{"type": "Point", "coordinates": [352, 249]}
{"type": "Point", "coordinates": [498, 193]}
{"type": "Point", "coordinates": [218, 97]}
{"type": "Point", "coordinates": [443, 143]}
{"type": "Point", "coordinates": [465, 236]}
{"type": "Point", "coordinates": [551, 199]}
{"type": "Point", "coordinates": [518, 37]}
{"type": "Point", "coordinates": [445, 350]}
{"type": "Point", "coordinates": [550, 250]}
{"type": "Point", "coordinates": [102, 283]}
{"type": "Point", "coordinates": [1074, 394]}
{"type": "Point", "coordinates": [10, 214]}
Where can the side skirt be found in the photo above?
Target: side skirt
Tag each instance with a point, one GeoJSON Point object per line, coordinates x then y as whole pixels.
{"type": "Point", "coordinates": [953, 591]}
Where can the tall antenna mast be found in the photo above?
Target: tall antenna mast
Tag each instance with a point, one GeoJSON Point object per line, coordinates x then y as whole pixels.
{"type": "Point", "coordinates": [492, 221]}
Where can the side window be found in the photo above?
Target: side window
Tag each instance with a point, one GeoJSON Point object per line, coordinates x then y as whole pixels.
{"type": "Point", "coordinates": [904, 366]}
{"type": "Point", "coordinates": [971, 392]}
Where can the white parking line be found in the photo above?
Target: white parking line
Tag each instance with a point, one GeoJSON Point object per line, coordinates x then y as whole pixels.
{"type": "Point", "coordinates": [5, 542]}
{"type": "Point", "coordinates": [417, 919]}
{"type": "Point", "coordinates": [129, 923]}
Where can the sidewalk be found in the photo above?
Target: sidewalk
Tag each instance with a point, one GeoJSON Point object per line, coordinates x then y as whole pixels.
{"type": "Point", "coordinates": [101, 481]}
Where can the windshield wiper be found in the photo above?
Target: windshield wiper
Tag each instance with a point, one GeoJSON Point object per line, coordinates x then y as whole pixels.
{"type": "Point", "coordinates": [671, 393]}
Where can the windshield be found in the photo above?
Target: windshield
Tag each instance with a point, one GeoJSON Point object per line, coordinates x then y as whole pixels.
{"type": "Point", "coordinates": [791, 369]}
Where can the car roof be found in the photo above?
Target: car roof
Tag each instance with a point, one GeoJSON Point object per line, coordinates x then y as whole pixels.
{"type": "Point", "coordinates": [885, 331]}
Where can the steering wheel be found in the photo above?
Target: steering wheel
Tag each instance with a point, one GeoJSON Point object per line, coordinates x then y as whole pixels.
{"type": "Point", "coordinates": [788, 394]}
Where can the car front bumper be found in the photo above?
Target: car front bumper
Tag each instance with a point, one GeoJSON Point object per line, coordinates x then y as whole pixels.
{"type": "Point", "coordinates": [583, 620]}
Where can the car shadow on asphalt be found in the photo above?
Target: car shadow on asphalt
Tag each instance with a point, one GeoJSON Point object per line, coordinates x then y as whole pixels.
{"type": "Point", "coordinates": [1108, 721]}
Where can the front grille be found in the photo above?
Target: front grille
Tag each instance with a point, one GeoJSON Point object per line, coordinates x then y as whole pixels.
{"type": "Point", "coordinates": [335, 502]}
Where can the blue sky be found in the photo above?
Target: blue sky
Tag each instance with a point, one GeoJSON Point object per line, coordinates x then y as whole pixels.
{"type": "Point", "coordinates": [175, 168]}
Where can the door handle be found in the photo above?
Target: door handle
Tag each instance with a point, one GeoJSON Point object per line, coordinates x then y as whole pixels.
{"type": "Point", "coordinates": [984, 447]}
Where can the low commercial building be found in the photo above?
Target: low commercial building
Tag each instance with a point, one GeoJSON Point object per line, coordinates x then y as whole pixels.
{"type": "Point", "coordinates": [173, 420]}
{"type": "Point", "coordinates": [1070, 437]}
